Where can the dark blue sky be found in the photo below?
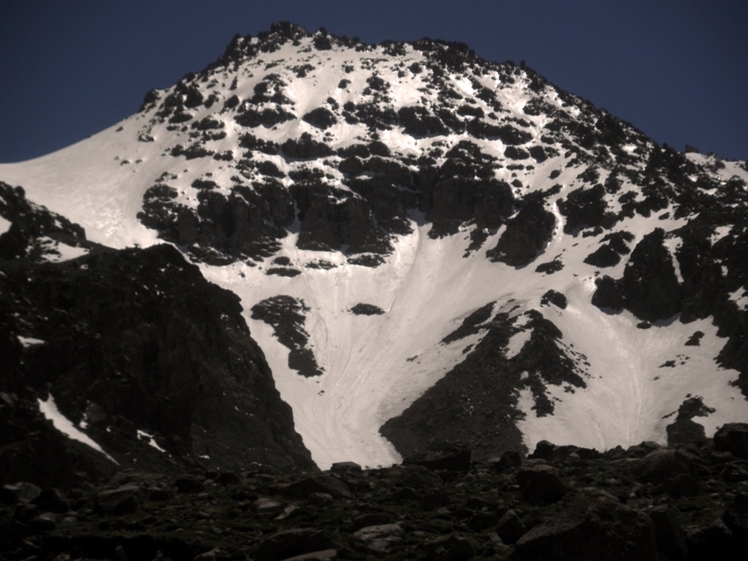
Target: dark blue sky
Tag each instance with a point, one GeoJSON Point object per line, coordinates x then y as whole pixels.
{"type": "Point", "coordinates": [677, 70]}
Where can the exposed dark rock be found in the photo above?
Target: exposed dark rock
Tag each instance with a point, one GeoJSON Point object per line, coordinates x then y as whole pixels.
{"type": "Point", "coordinates": [366, 260]}
{"type": "Point", "coordinates": [464, 188]}
{"type": "Point", "coordinates": [31, 225]}
{"type": "Point", "coordinates": [510, 527]}
{"type": "Point", "coordinates": [189, 483]}
{"type": "Point", "coordinates": [608, 295]}
{"type": "Point", "coordinates": [736, 519]}
{"type": "Point", "coordinates": [379, 539]}
{"type": "Point", "coordinates": [541, 484]}
{"type": "Point", "coordinates": [661, 465]}
{"type": "Point", "coordinates": [452, 547]}
{"type": "Point", "coordinates": [550, 267]}
{"type": "Point", "coordinates": [331, 218]}
{"type": "Point", "coordinates": [268, 117]}
{"type": "Point", "coordinates": [585, 208]}
{"type": "Point", "coordinates": [417, 121]}
{"type": "Point", "coordinates": [514, 153]}
{"type": "Point", "coordinates": [182, 368]}
{"type": "Point", "coordinates": [669, 535]}
{"type": "Point", "coordinates": [247, 223]}
{"type": "Point", "coordinates": [604, 256]}
{"type": "Point", "coordinates": [684, 430]}
{"type": "Point", "coordinates": [619, 241]}
{"type": "Point", "coordinates": [320, 117]}
{"type": "Point", "coordinates": [283, 272]}
{"type": "Point", "coordinates": [303, 488]}
{"type": "Point", "coordinates": [475, 401]}
{"type": "Point", "coordinates": [733, 438]}
{"type": "Point", "coordinates": [448, 514]}
{"type": "Point", "coordinates": [21, 492]}
{"type": "Point", "coordinates": [51, 500]}
{"type": "Point", "coordinates": [305, 148]}
{"type": "Point", "coordinates": [590, 528]}
{"type": "Point", "coordinates": [649, 284]}
{"type": "Point", "coordinates": [289, 543]}
{"type": "Point", "coordinates": [554, 297]}
{"type": "Point", "coordinates": [120, 501]}
{"type": "Point", "coordinates": [324, 555]}
{"type": "Point", "coordinates": [471, 324]}
{"type": "Point", "coordinates": [451, 459]}
{"type": "Point", "coordinates": [525, 237]}
{"type": "Point", "coordinates": [695, 339]}
{"type": "Point", "coordinates": [539, 153]}
{"type": "Point", "coordinates": [287, 316]}
{"type": "Point", "coordinates": [366, 310]}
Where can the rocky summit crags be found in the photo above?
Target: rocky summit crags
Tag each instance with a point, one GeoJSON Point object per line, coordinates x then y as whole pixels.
{"type": "Point", "coordinates": [428, 248]}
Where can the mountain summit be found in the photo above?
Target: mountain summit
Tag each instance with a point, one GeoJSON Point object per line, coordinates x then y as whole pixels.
{"type": "Point", "coordinates": [428, 247]}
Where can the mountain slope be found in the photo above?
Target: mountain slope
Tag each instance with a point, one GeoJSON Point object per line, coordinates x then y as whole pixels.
{"type": "Point", "coordinates": [423, 237]}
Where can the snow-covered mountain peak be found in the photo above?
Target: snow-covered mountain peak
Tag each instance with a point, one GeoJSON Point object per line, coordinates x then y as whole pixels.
{"type": "Point", "coordinates": [425, 241]}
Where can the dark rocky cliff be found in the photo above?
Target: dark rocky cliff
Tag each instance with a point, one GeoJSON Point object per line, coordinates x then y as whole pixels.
{"type": "Point", "coordinates": [138, 348]}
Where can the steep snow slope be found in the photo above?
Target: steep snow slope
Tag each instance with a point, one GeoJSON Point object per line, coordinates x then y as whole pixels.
{"type": "Point", "coordinates": [396, 176]}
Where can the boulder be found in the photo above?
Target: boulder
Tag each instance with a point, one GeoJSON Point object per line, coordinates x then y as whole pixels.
{"type": "Point", "coordinates": [526, 235]}
{"type": "Point", "coordinates": [21, 492]}
{"type": "Point", "coordinates": [120, 501]}
{"type": "Point", "coordinates": [289, 543]}
{"type": "Point", "coordinates": [379, 538]}
{"type": "Point", "coordinates": [456, 458]}
{"type": "Point", "coordinates": [324, 555]}
{"type": "Point", "coordinates": [590, 529]}
{"type": "Point", "coordinates": [733, 438]}
{"type": "Point", "coordinates": [452, 547]}
{"type": "Point", "coordinates": [189, 483]}
{"type": "Point", "coordinates": [510, 528]}
{"type": "Point", "coordinates": [51, 500]}
{"type": "Point", "coordinates": [736, 519]}
{"type": "Point", "coordinates": [541, 484]}
{"type": "Point", "coordinates": [328, 484]}
{"type": "Point", "coordinates": [669, 535]}
{"type": "Point", "coordinates": [661, 465]}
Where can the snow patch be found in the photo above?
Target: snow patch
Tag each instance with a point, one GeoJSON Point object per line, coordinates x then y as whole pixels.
{"type": "Point", "coordinates": [148, 438]}
{"type": "Point", "coordinates": [719, 233]}
{"type": "Point", "coordinates": [29, 341]}
{"type": "Point", "coordinates": [516, 342]}
{"type": "Point", "coordinates": [740, 297]}
{"type": "Point", "coordinates": [65, 426]}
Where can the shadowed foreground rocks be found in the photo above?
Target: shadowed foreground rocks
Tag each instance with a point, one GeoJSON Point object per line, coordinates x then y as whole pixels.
{"type": "Point", "coordinates": [559, 503]}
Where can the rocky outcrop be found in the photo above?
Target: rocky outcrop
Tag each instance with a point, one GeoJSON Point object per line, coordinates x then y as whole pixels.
{"type": "Point", "coordinates": [35, 234]}
{"type": "Point", "coordinates": [287, 315]}
{"type": "Point", "coordinates": [248, 223]}
{"type": "Point", "coordinates": [475, 402]}
{"type": "Point", "coordinates": [138, 350]}
{"type": "Point", "coordinates": [684, 429]}
{"type": "Point", "coordinates": [526, 235]}
{"type": "Point", "coordinates": [649, 287]}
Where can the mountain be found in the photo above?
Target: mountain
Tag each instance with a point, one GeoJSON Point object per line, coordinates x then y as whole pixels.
{"type": "Point", "coordinates": [427, 248]}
